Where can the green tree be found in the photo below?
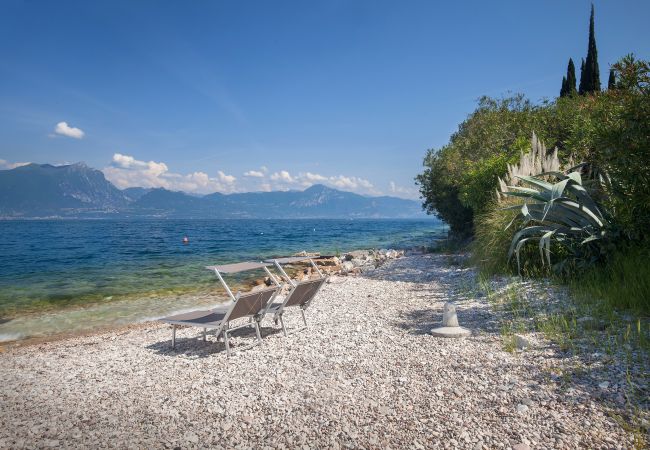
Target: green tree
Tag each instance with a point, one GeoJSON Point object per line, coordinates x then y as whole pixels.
{"type": "Point", "coordinates": [583, 78]}
{"type": "Point", "coordinates": [457, 180]}
{"type": "Point", "coordinates": [632, 74]}
{"type": "Point", "coordinates": [611, 82]}
{"type": "Point", "coordinates": [592, 74]}
{"type": "Point", "coordinates": [569, 81]}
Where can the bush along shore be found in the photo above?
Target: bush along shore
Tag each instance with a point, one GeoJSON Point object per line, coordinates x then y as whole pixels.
{"type": "Point", "coordinates": [552, 201]}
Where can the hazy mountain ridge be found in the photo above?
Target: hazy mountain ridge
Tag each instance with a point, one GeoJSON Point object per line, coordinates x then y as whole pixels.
{"type": "Point", "coordinates": [77, 190]}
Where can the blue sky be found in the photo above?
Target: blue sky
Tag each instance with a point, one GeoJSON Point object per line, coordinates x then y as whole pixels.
{"type": "Point", "coordinates": [235, 96]}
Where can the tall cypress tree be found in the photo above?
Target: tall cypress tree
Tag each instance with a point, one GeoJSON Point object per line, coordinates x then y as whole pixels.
{"type": "Point", "coordinates": [583, 78]}
{"type": "Point", "coordinates": [611, 82]}
{"type": "Point", "coordinates": [570, 78]}
{"type": "Point", "coordinates": [592, 77]}
{"type": "Point", "coordinates": [569, 81]}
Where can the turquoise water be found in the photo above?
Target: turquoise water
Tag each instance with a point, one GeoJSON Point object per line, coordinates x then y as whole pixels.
{"type": "Point", "coordinates": [55, 273]}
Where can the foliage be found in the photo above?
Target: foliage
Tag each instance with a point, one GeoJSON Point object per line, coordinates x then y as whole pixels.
{"type": "Point", "coordinates": [563, 211]}
{"type": "Point", "coordinates": [440, 193]}
{"type": "Point", "coordinates": [621, 145]}
{"type": "Point", "coordinates": [611, 81]}
{"type": "Point", "coordinates": [583, 78]}
{"type": "Point", "coordinates": [477, 185]}
{"type": "Point", "coordinates": [624, 282]}
{"type": "Point", "coordinates": [492, 238]}
{"type": "Point", "coordinates": [476, 155]}
{"type": "Point", "coordinates": [569, 81]}
{"type": "Point", "coordinates": [610, 129]}
{"type": "Point", "coordinates": [632, 75]}
{"type": "Point", "coordinates": [590, 79]}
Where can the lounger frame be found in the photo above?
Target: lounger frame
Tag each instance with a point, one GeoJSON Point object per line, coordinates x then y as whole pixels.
{"type": "Point", "coordinates": [242, 306]}
{"type": "Point", "coordinates": [295, 290]}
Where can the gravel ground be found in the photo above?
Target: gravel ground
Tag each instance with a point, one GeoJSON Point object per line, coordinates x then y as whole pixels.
{"type": "Point", "coordinates": [366, 373]}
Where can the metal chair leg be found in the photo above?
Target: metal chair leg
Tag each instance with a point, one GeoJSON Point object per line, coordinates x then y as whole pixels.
{"type": "Point", "coordinates": [302, 311]}
{"type": "Point", "coordinates": [225, 338]}
{"type": "Point", "coordinates": [257, 330]}
{"type": "Point", "coordinates": [284, 329]}
{"type": "Point", "coordinates": [205, 332]}
{"type": "Point", "coordinates": [173, 336]}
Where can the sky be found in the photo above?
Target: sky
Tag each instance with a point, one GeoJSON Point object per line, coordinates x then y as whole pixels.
{"type": "Point", "coordinates": [234, 96]}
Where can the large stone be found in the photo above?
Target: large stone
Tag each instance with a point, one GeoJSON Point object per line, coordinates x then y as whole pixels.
{"type": "Point", "coordinates": [520, 446]}
{"type": "Point", "coordinates": [522, 342]}
{"type": "Point", "coordinates": [333, 261]}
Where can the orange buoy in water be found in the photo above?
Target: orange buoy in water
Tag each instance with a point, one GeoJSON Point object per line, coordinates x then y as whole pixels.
{"type": "Point", "coordinates": [186, 240]}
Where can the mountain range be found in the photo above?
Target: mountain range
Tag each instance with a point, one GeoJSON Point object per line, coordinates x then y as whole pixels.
{"type": "Point", "coordinates": [76, 190]}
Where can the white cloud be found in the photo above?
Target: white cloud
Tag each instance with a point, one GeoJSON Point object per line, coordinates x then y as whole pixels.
{"type": "Point", "coordinates": [401, 191]}
{"type": "Point", "coordinates": [64, 129]}
{"type": "Point", "coordinates": [282, 176]}
{"type": "Point", "coordinates": [284, 180]}
{"type": "Point", "coordinates": [4, 164]}
{"type": "Point", "coordinates": [313, 177]}
{"type": "Point", "coordinates": [228, 179]}
{"type": "Point", "coordinates": [254, 174]}
{"type": "Point", "coordinates": [126, 171]}
{"type": "Point", "coordinates": [350, 182]}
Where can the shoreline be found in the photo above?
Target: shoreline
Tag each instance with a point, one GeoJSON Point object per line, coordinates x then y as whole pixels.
{"type": "Point", "coordinates": [366, 373]}
{"type": "Point", "coordinates": [330, 264]}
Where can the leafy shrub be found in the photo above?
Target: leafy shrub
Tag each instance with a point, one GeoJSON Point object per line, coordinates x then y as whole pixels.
{"type": "Point", "coordinates": [610, 129]}
{"type": "Point", "coordinates": [453, 181]}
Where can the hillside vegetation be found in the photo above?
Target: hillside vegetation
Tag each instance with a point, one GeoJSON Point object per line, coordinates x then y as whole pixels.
{"type": "Point", "coordinates": [587, 222]}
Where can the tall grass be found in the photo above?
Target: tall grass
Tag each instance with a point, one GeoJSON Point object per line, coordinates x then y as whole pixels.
{"type": "Point", "coordinates": [623, 283]}
{"type": "Point", "coordinates": [492, 241]}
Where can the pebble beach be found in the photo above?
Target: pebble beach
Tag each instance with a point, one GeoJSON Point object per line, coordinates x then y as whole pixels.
{"type": "Point", "coordinates": [366, 373]}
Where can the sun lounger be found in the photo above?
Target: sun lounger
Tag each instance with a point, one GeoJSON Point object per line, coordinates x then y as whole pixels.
{"type": "Point", "coordinates": [302, 293]}
{"type": "Point", "coordinates": [251, 305]}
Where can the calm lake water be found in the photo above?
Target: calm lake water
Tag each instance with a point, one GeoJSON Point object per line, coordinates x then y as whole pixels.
{"type": "Point", "coordinates": [68, 276]}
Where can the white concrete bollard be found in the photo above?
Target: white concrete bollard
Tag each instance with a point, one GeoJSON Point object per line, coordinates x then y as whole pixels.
{"type": "Point", "coordinates": [450, 327]}
{"type": "Point", "coordinates": [449, 318]}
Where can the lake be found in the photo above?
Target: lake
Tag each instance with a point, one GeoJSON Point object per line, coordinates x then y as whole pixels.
{"type": "Point", "coordinates": [59, 276]}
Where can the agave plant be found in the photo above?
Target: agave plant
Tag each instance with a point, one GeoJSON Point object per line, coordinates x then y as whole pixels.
{"type": "Point", "coordinates": [563, 211]}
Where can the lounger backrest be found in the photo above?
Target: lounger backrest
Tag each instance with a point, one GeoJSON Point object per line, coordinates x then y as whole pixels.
{"type": "Point", "coordinates": [304, 292]}
{"type": "Point", "coordinates": [251, 303]}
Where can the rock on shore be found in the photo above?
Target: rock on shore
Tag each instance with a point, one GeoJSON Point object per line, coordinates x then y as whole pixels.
{"type": "Point", "coordinates": [366, 374]}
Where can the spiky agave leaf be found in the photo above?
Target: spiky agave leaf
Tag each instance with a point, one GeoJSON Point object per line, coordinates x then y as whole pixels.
{"type": "Point", "coordinates": [562, 211]}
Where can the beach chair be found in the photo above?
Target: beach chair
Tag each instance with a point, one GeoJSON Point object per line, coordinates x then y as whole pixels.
{"type": "Point", "coordinates": [251, 305]}
{"type": "Point", "coordinates": [301, 294]}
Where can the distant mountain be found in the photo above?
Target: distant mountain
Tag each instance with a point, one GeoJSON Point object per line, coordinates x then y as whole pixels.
{"type": "Point", "coordinates": [134, 193]}
{"type": "Point", "coordinates": [79, 191]}
{"type": "Point", "coordinates": [45, 190]}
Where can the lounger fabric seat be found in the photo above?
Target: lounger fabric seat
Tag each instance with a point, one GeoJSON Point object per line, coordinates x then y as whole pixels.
{"type": "Point", "coordinates": [251, 305]}
{"type": "Point", "coordinates": [301, 294]}
{"type": "Point", "coordinates": [206, 318]}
